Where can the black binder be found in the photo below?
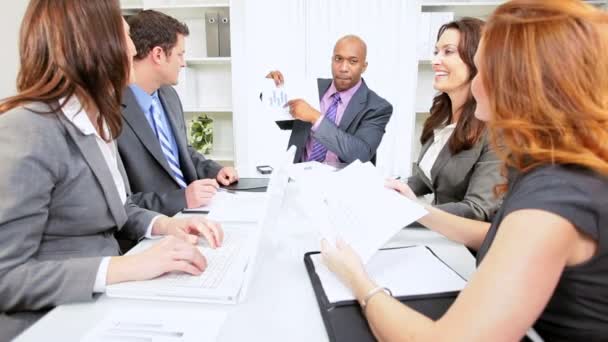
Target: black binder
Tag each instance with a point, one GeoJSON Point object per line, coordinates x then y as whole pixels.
{"type": "Point", "coordinates": [248, 184]}
{"type": "Point", "coordinates": [344, 320]}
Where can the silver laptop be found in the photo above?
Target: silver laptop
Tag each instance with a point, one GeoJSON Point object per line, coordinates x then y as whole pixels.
{"type": "Point", "coordinates": [230, 268]}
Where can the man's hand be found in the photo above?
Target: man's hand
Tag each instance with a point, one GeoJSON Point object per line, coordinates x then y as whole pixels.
{"type": "Point", "coordinates": [277, 77]}
{"type": "Point", "coordinates": [227, 176]}
{"type": "Point", "coordinates": [301, 110]}
{"type": "Point", "coordinates": [200, 192]}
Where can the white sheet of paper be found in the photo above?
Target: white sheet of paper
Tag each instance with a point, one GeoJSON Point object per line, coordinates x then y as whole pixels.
{"type": "Point", "coordinates": [274, 98]}
{"type": "Point", "coordinates": [237, 207]}
{"type": "Point", "coordinates": [405, 271]}
{"type": "Point", "coordinates": [309, 170]}
{"type": "Point", "coordinates": [157, 326]}
{"type": "Point", "coordinates": [363, 212]}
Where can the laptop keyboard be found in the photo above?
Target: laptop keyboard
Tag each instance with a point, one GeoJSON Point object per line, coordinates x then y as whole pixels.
{"type": "Point", "coordinates": [219, 262]}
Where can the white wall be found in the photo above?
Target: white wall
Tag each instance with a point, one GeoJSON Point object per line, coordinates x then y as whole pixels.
{"type": "Point", "coordinates": [11, 14]}
{"type": "Point", "coordinates": [297, 37]}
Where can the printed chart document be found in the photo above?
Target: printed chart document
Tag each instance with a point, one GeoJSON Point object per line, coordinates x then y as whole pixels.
{"type": "Point", "coordinates": [362, 211]}
{"type": "Point", "coordinates": [407, 271]}
{"type": "Point", "coordinates": [157, 326]}
{"type": "Point", "coordinates": [275, 98]}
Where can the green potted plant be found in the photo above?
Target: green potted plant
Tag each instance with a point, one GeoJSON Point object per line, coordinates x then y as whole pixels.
{"type": "Point", "coordinates": [201, 134]}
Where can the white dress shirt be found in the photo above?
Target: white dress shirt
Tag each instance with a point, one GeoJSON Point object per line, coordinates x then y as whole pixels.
{"type": "Point", "coordinates": [440, 138]}
{"type": "Point", "coordinates": [74, 112]}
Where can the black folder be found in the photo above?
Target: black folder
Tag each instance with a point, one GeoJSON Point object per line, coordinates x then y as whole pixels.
{"type": "Point", "coordinates": [248, 184]}
{"type": "Point", "coordinates": [344, 320]}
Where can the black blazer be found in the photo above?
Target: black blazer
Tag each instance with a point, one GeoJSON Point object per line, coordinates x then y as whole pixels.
{"type": "Point", "coordinates": [152, 182]}
{"type": "Point", "coordinates": [463, 183]}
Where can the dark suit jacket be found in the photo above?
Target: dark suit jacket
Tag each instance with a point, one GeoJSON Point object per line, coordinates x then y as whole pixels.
{"type": "Point", "coordinates": [359, 133]}
{"type": "Point", "coordinates": [463, 183]}
{"type": "Point", "coordinates": [152, 182]}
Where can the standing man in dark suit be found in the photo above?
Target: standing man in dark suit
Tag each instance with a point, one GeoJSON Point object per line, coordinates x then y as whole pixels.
{"type": "Point", "coordinates": [165, 173]}
{"type": "Point", "coordinates": [352, 118]}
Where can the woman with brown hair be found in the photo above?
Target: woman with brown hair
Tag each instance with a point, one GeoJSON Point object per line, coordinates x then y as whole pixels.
{"type": "Point", "coordinates": [542, 88]}
{"type": "Point", "coordinates": [456, 163]}
{"type": "Point", "coordinates": [64, 193]}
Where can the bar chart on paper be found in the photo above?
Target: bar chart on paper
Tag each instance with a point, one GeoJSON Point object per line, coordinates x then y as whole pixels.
{"type": "Point", "coordinates": [274, 99]}
{"type": "Point", "coordinates": [273, 96]}
{"type": "Point", "coordinates": [278, 98]}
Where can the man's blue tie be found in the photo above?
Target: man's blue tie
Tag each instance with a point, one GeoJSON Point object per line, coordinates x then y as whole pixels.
{"type": "Point", "coordinates": [318, 150]}
{"type": "Point", "coordinates": [165, 146]}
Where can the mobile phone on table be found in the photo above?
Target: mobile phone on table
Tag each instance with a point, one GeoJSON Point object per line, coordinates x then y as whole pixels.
{"type": "Point", "coordinates": [264, 169]}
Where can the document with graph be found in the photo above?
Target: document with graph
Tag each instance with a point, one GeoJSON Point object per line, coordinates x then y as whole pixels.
{"type": "Point", "coordinates": [275, 98]}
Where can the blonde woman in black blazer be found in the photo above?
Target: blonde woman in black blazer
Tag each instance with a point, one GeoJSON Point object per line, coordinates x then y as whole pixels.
{"type": "Point", "coordinates": [456, 163]}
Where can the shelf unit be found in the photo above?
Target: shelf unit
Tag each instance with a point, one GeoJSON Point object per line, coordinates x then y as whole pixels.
{"type": "Point", "coordinates": [205, 84]}
{"type": "Point", "coordinates": [424, 89]}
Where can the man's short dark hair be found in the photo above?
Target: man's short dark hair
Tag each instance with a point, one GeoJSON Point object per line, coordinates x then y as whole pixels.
{"type": "Point", "coordinates": [150, 28]}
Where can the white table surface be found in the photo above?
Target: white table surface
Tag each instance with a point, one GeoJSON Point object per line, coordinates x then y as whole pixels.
{"type": "Point", "coordinates": [280, 305]}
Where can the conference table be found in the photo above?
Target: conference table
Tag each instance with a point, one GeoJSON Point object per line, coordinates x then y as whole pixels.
{"type": "Point", "coordinates": [280, 304]}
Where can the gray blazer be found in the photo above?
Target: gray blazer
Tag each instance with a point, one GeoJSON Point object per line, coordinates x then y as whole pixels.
{"type": "Point", "coordinates": [463, 184]}
{"type": "Point", "coordinates": [152, 182]}
{"type": "Point", "coordinates": [359, 132]}
{"type": "Point", "coordinates": [58, 215]}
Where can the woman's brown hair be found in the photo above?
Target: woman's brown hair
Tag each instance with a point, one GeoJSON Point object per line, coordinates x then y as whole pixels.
{"type": "Point", "coordinates": [544, 65]}
{"type": "Point", "coordinates": [73, 47]}
{"type": "Point", "coordinates": [468, 129]}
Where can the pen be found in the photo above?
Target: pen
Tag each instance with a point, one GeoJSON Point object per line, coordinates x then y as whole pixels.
{"type": "Point", "coordinates": [227, 190]}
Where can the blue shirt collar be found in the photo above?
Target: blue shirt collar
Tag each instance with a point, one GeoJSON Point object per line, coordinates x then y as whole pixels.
{"type": "Point", "coordinates": [144, 100]}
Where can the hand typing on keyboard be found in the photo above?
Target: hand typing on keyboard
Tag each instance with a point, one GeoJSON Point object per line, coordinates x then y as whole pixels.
{"type": "Point", "coordinates": [218, 264]}
{"type": "Point", "coordinates": [189, 229]}
{"type": "Point", "coordinates": [169, 255]}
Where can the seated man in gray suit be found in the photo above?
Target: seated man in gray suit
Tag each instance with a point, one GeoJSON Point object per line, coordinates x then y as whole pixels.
{"type": "Point", "coordinates": [165, 173]}
{"type": "Point", "coordinates": [352, 119]}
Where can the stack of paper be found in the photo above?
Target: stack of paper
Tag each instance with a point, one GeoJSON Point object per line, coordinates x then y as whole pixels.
{"type": "Point", "coordinates": [311, 170]}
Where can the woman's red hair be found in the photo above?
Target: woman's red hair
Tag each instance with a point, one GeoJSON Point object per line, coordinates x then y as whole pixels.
{"type": "Point", "coordinates": [544, 65]}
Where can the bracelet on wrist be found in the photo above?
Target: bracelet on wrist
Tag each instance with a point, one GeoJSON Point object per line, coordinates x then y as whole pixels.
{"type": "Point", "coordinates": [371, 294]}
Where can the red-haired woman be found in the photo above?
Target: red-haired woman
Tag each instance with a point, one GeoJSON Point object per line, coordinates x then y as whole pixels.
{"type": "Point", "coordinates": [542, 88]}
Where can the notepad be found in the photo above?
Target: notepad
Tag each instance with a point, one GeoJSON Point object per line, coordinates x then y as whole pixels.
{"type": "Point", "coordinates": [244, 184]}
{"type": "Point", "coordinates": [155, 325]}
{"type": "Point", "coordinates": [407, 271]}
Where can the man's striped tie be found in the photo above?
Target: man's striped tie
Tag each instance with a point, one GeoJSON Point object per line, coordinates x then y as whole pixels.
{"type": "Point", "coordinates": [318, 150]}
{"type": "Point", "coordinates": [165, 146]}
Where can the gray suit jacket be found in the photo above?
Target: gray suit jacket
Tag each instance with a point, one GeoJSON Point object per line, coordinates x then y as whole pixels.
{"type": "Point", "coordinates": [58, 215]}
{"type": "Point", "coordinates": [463, 184]}
{"type": "Point", "coordinates": [152, 182]}
{"type": "Point", "coordinates": [359, 133]}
